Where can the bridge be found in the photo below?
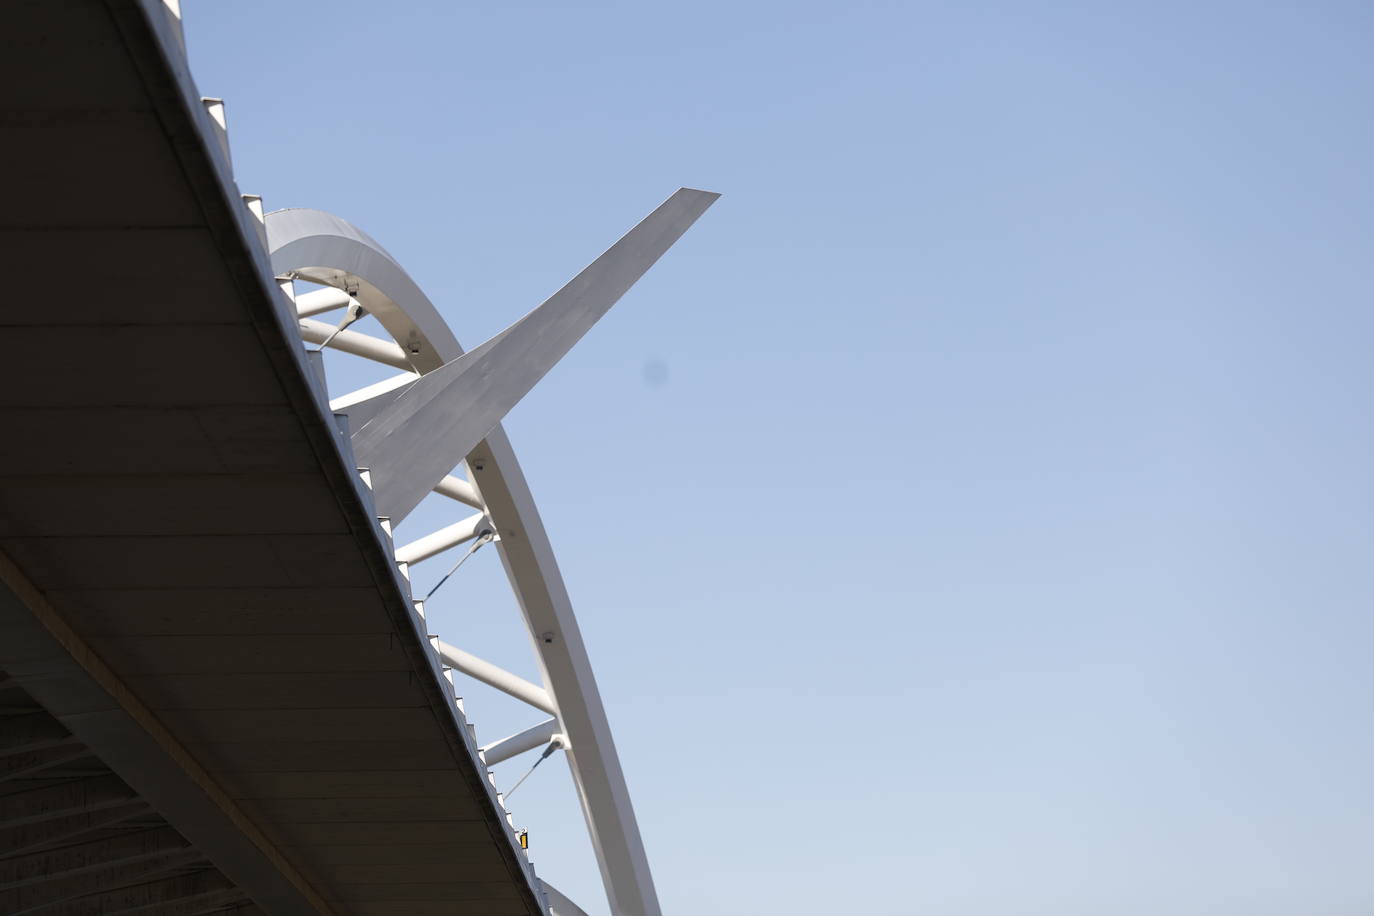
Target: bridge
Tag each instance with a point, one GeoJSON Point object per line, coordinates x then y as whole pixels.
{"type": "Point", "coordinates": [219, 690]}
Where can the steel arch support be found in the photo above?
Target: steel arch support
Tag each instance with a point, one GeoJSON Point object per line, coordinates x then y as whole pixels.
{"type": "Point", "coordinates": [322, 248]}
{"type": "Point", "coordinates": [527, 555]}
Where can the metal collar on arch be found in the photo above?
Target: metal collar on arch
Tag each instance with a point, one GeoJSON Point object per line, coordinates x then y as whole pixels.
{"type": "Point", "coordinates": [412, 431]}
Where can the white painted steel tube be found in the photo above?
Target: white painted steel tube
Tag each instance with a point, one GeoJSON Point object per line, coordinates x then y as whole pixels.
{"type": "Point", "coordinates": [493, 676]}
{"type": "Point", "coordinates": [364, 345]}
{"type": "Point", "coordinates": [443, 539]}
{"type": "Point", "coordinates": [527, 740]}
{"type": "Point", "coordinates": [318, 301]}
{"type": "Point", "coordinates": [459, 489]}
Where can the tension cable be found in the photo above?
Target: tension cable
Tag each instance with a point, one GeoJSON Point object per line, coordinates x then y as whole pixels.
{"type": "Point", "coordinates": [548, 752]}
{"type": "Point", "coordinates": [353, 313]}
{"type": "Point", "coordinates": [482, 538]}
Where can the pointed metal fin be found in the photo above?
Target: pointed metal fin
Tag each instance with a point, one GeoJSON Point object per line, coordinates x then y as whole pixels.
{"type": "Point", "coordinates": [413, 442]}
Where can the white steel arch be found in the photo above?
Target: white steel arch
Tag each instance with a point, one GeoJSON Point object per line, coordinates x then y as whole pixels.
{"type": "Point", "coordinates": [358, 275]}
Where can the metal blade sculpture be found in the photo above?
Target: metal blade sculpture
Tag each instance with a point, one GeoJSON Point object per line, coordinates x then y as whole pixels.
{"type": "Point", "coordinates": [434, 423]}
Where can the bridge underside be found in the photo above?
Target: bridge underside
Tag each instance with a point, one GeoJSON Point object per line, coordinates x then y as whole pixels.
{"type": "Point", "coordinates": [216, 694]}
{"type": "Point", "coordinates": [75, 838]}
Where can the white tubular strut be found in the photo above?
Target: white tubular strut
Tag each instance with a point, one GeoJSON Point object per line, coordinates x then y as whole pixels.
{"type": "Point", "coordinates": [443, 539]}
{"type": "Point", "coordinates": [358, 344]}
{"type": "Point", "coordinates": [319, 301]}
{"type": "Point", "coordinates": [527, 740]}
{"type": "Point", "coordinates": [459, 489]}
{"type": "Point", "coordinates": [495, 676]}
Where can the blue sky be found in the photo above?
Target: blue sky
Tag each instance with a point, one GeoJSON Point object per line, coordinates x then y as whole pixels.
{"type": "Point", "coordinates": [973, 513]}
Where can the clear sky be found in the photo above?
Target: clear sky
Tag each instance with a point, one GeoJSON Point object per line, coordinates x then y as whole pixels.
{"type": "Point", "coordinates": [974, 513]}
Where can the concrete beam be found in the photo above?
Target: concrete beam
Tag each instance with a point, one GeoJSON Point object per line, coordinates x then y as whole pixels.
{"type": "Point", "coordinates": [61, 887]}
{"type": "Point", "coordinates": [32, 733]}
{"type": "Point", "coordinates": [154, 843]}
{"type": "Point", "coordinates": [30, 763]}
{"type": "Point", "coordinates": [28, 838]}
{"type": "Point", "coordinates": [46, 657]}
{"type": "Point", "coordinates": [67, 798]}
{"type": "Point", "coordinates": [186, 894]}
